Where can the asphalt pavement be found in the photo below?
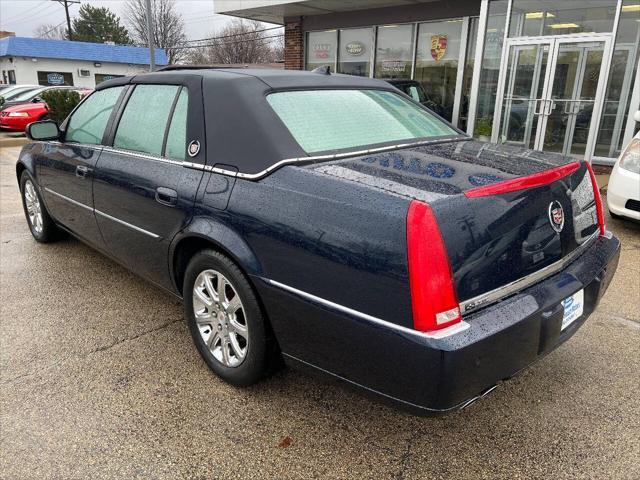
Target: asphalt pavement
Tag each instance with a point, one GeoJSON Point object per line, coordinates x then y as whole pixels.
{"type": "Point", "coordinates": [99, 379]}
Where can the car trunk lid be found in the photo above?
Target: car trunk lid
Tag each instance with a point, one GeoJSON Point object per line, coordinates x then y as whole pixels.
{"type": "Point", "coordinates": [497, 227]}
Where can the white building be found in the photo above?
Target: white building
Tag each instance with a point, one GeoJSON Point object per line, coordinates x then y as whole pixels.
{"type": "Point", "coordinates": [61, 62]}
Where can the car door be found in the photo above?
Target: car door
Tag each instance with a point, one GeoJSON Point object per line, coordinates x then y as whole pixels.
{"type": "Point", "coordinates": [143, 194]}
{"type": "Point", "coordinates": [65, 168]}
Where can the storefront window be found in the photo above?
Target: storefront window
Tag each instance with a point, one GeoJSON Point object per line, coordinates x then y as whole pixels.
{"type": "Point", "coordinates": [354, 54]}
{"type": "Point", "coordinates": [437, 63]}
{"type": "Point", "coordinates": [55, 78]}
{"type": "Point", "coordinates": [553, 17]}
{"type": "Point", "coordinates": [490, 67]}
{"type": "Point", "coordinates": [321, 49]}
{"type": "Point", "coordinates": [468, 73]}
{"type": "Point", "coordinates": [620, 87]}
{"type": "Point", "coordinates": [394, 51]}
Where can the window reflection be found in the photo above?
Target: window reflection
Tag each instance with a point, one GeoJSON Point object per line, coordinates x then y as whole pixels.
{"type": "Point", "coordinates": [437, 63]}
{"type": "Point", "coordinates": [552, 17]}
{"type": "Point", "coordinates": [321, 49]}
{"type": "Point", "coordinates": [394, 52]}
{"type": "Point", "coordinates": [354, 53]}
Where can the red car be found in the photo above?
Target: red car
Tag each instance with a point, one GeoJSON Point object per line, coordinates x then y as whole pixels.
{"type": "Point", "coordinates": [16, 118]}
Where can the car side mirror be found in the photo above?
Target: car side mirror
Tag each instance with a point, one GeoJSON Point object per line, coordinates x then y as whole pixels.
{"type": "Point", "coordinates": [44, 130]}
{"type": "Point", "coordinates": [36, 100]}
{"type": "Point", "coordinates": [636, 116]}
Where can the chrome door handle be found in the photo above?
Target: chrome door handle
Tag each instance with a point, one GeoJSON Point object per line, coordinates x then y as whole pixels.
{"type": "Point", "coordinates": [166, 196]}
{"type": "Point", "coordinates": [82, 171]}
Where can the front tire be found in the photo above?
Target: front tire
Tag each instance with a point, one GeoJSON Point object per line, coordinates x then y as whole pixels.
{"type": "Point", "coordinates": [42, 226]}
{"type": "Point", "coordinates": [225, 319]}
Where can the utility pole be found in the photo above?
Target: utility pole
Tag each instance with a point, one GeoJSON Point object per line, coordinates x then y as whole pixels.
{"type": "Point", "coordinates": [152, 55]}
{"type": "Point", "coordinates": [65, 4]}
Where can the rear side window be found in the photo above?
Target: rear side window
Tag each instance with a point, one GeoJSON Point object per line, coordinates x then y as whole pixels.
{"type": "Point", "coordinates": [322, 120]}
{"type": "Point", "coordinates": [144, 120]}
{"type": "Point", "coordinates": [88, 122]}
{"type": "Point", "coordinates": [177, 136]}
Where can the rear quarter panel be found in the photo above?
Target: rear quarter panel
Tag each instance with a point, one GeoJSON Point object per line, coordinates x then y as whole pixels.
{"type": "Point", "coordinates": [342, 242]}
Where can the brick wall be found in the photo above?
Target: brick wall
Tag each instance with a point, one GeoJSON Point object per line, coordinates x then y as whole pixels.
{"type": "Point", "coordinates": [293, 45]}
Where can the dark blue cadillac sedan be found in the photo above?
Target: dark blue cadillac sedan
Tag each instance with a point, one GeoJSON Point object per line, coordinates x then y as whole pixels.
{"type": "Point", "coordinates": [328, 220]}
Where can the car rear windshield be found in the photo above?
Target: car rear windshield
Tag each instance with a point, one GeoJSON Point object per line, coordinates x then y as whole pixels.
{"type": "Point", "coordinates": [325, 120]}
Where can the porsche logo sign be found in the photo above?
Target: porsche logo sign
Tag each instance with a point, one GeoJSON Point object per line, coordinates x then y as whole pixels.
{"type": "Point", "coordinates": [438, 46]}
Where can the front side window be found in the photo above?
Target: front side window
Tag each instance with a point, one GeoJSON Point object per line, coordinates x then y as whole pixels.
{"type": "Point", "coordinates": [144, 120]}
{"type": "Point", "coordinates": [353, 118]}
{"type": "Point", "coordinates": [88, 122]}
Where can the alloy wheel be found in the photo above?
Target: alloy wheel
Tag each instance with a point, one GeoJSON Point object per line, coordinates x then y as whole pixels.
{"type": "Point", "coordinates": [34, 209]}
{"type": "Point", "coordinates": [220, 317]}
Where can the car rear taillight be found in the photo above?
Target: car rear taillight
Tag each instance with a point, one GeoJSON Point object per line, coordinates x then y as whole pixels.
{"type": "Point", "coordinates": [529, 181]}
{"type": "Point", "coordinates": [598, 200]}
{"type": "Point", "coordinates": [433, 296]}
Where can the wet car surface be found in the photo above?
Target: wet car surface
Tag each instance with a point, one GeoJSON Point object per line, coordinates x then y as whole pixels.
{"type": "Point", "coordinates": [119, 391]}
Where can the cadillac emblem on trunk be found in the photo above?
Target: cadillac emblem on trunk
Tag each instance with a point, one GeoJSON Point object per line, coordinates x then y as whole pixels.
{"type": "Point", "coordinates": [556, 216]}
{"type": "Point", "coordinates": [438, 46]}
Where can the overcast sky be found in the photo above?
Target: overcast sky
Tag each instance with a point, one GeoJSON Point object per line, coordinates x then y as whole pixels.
{"type": "Point", "coordinates": [23, 16]}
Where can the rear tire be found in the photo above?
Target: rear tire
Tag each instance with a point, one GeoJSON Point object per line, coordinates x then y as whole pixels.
{"type": "Point", "coordinates": [42, 226]}
{"type": "Point", "coordinates": [225, 319]}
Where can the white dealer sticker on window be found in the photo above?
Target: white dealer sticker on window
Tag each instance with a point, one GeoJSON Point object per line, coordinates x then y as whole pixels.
{"type": "Point", "coordinates": [573, 307]}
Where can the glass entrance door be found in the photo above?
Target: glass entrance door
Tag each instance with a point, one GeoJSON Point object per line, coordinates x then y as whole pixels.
{"type": "Point", "coordinates": [552, 91]}
{"type": "Point", "coordinates": [573, 93]}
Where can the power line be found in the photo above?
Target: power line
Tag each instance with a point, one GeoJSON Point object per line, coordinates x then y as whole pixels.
{"type": "Point", "coordinates": [66, 4]}
{"type": "Point", "coordinates": [231, 35]}
{"type": "Point", "coordinates": [261, 39]}
{"type": "Point", "coordinates": [19, 17]}
{"type": "Point", "coordinates": [29, 17]}
{"type": "Point", "coordinates": [53, 28]}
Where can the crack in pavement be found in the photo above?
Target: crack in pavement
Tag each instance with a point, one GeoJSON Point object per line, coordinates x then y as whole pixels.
{"type": "Point", "coordinates": [89, 353]}
{"type": "Point", "coordinates": [406, 458]}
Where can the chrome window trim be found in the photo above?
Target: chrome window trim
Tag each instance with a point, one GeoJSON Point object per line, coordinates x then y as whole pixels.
{"type": "Point", "coordinates": [114, 219]}
{"type": "Point", "coordinates": [499, 293]}
{"type": "Point", "coordinates": [144, 156]}
{"type": "Point", "coordinates": [438, 334]}
{"type": "Point", "coordinates": [317, 158]}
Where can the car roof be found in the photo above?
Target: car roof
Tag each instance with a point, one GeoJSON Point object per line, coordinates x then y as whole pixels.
{"type": "Point", "coordinates": [274, 78]}
{"type": "Point", "coordinates": [241, 128]}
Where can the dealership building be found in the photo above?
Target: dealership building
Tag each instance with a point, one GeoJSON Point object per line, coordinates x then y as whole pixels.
{"type": "Point", "coordinates": [39, 61]}
{"type": "Point", "coordinates": [559, 76]}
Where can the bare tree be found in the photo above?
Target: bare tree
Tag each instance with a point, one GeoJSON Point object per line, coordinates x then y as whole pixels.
{"type": "Point", "coordinates": [47, 30]}
{"type": "Point", "coordinates": [168, 26]}
{"type": "Point", "coordinates": [240, 41]}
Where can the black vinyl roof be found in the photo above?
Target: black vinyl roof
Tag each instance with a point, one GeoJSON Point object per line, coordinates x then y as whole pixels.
{"type": "Point", "coordinates": [242, 130]}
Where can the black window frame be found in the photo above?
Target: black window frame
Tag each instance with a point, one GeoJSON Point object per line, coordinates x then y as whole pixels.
{"type": "Point", "coordinates": [114, 122]}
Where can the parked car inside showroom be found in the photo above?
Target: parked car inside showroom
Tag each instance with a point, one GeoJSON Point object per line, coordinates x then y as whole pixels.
{"type": "Point", "coordinates": [328, 220]}
{"type": "Point", "coordinates": [623, 190]}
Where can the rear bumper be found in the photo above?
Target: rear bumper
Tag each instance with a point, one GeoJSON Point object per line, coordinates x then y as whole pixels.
{"type": "Point", "coordinates": [427, 375]}
{"type": "Point", "coordinates": [506, 338]}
